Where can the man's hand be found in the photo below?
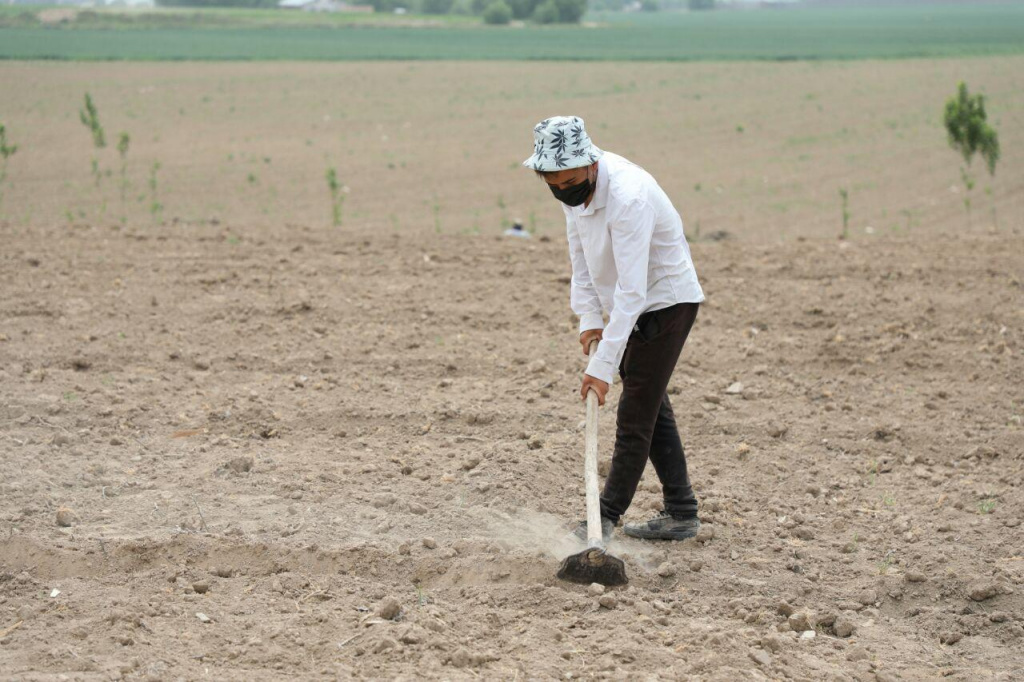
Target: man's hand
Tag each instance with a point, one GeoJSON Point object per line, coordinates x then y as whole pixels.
{"type": "Point", "coordinates": [599, 387]}
{"type": "Point", "coordinates": [588, 336]}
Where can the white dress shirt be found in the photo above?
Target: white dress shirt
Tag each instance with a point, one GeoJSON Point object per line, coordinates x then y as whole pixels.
{"type": "Point", "coordinates": [629, 256]}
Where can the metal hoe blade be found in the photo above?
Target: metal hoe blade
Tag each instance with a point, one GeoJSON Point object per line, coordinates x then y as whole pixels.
{"type": "Point", "coordinates": [593, 565]}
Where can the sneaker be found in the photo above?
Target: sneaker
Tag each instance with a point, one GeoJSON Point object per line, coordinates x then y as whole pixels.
{"type": "Point", "coordinates": [663, 527]}
{"type": "Point", "coordinates": [580, 532]}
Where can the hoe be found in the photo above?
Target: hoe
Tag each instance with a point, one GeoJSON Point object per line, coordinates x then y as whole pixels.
{"type": "Point", "coordinates": [594, 564]}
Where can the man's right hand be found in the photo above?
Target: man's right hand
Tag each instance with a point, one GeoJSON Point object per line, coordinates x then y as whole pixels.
{"type": "Point", "coordinates": [588, 336]}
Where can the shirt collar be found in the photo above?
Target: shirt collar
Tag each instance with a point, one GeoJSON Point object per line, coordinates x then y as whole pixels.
{"type": "Point", "coordinates": [600, 194]}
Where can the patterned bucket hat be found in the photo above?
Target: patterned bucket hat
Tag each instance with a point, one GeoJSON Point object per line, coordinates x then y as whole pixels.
{"type": "Point", "coordinates": [561, 143]}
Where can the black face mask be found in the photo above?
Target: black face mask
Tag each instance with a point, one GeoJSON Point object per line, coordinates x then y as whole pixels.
{"type": "Point", "coordinates": [573, 195]}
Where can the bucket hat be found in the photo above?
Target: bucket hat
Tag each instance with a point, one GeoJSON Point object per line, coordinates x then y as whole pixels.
{"type": "Point", "coordinates": [561, 143]}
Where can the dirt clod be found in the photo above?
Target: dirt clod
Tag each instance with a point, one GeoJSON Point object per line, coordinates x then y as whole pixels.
{"type": "Point", "coordinates": [844, 626]}
{"type": "Point", "coordinates": [706, 533]}
{"type": "Point", "coordinates": [951, 637]}
{"type": "Point", "coordinates": [772, 643]}
{"type": "Point", "coordinates": [464, 658]}
{"type": "Point", "coordinates": [66, 517]}
{"type": "Point", "coordinates": [389, 608]}
{"type": "Point", "coordinates": [412, 635]}
{"type": "Point", "coordinates": [867, 597]}
{"type": "Point", "coordinates": [981, 591]}
{"type": "Point", "coordinates": [240, 465]}
{"type": "Point", "coordinates": [762, 658]}
{"type": "Point", "coordinates": [801, 621]}
{"type": "Point", "coordinates": [384, 644]}
{"type": "Point", "coordinates": [857, 653]}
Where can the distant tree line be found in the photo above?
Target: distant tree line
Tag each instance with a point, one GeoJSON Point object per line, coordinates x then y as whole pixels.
{"type": "Point", "coordinates": [653, 5]}
{"type": "Point", "coordinates": [492, 11]}
{"type": "Point", "coordinates": [259, 4]}
{"type": "Point", "coordinates": [539, 11]}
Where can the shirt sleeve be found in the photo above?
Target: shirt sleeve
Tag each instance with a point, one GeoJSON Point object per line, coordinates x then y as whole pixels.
{"type": "Point", "coordinates": [583, 297]}
{"type": "Point", "coordinates": [631, 234]}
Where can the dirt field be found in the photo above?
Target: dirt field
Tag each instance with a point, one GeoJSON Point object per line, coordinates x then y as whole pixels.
{"type": "Point", "coordinates": [257, 430]}
{"type": "Point", "coordinates": [272, 449]}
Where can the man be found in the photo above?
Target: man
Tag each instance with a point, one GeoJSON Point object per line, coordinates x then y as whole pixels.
{"type": "Point", "coordinates": [630, 258]}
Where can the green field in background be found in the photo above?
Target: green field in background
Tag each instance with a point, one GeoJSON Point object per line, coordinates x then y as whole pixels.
{"type": "Point", "coordinates": [974, 29]}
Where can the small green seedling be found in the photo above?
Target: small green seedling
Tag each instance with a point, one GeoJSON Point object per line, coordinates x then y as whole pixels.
{"type": "Point", "coordinates": [6, 152]}
{"type": "Point", "coordinates": [502, 211]}
{"type": "Point", "coordinates": [337, 192]}
{"type": "Point", "coordinates": [987, 506]}
{"type": "Point", "coordinates": [155, 207]}
{"type": "Point", "coordinates": [909, 215]}
{"type": "Point", "coordinates": [123, 141]}
{"type": "Point", "coordinates": [91, 119]}
{"type": "Point", "coordinates": [968, 181]}
{"type": "Point", "coordinates": [969, 133]}
{"type": "Point", "coordinates": [873, 472]}
{"type": "Point", "coordinates": [845, 196]}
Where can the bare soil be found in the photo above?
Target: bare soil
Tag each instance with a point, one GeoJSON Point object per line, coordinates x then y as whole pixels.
{"type": "Point", "coordinates": [758, 151]}
{"type": "Point", "coordinates": [282, 453]}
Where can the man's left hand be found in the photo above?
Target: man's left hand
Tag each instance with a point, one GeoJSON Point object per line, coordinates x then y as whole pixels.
{"type": "Point", "coordinates": [600, 387]}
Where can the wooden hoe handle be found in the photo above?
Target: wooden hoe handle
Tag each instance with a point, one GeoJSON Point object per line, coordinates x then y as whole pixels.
{"type": "Point", "coordinates": [594, 536]}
